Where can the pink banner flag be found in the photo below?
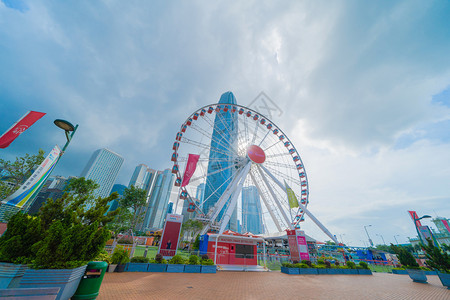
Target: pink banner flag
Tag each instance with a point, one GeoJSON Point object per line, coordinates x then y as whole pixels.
{"type": "Point", "coordinates": [20, 126]}
{"type": "Point", "coordinates": [190, 168]}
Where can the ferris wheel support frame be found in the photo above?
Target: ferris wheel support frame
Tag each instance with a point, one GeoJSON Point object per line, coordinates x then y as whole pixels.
{"type": "Point", "coordinates": [235, 193]}
{"type": "Point", "coordinates": [275, 198]}
{"type": "Point", "coordinates": [266, 203]}
{"type": "Point", "coordinates": [315, 220]}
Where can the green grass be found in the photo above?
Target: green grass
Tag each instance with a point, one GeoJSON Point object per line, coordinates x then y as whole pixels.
{"type": "Point", "coordinates": [153, 250]}
{"type": "Point", "coordinates": [380, 268]}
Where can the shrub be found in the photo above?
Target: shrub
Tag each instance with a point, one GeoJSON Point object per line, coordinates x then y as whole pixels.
{"type": "Point", "coordinates": [405, 257]}
{"type": "Point", "coordinates": [327, 264]}
{"type": "Point", "coordinates": [320, 262]}
{"type": "Point", "coordinates": [301, 266]}
{"type": "Point", "coordinates": [287, 264]}
{"type": "Point", "coordinates": [207, 262]}
{"type": "Point", "coordinates": [119, 256]}
{"type": "Point", "coordinates": [176, 260]}
{"type": "Point", "coordinates": [205, 256]}
{"type": "Point", "coordinates": [193, 260]}
{"type": "Point", "coordinates": [139, 259]}
{"type": "Point", "coordinates": [158, 258]}
{"type": "Point", "coordinates": [351, 265]}
{"type": "Point", "coordinates": [437, 258]}
{"type": "Point", "coordinates": [364, 265]}
{"type": "Point", "coordinates": [309, 263]}
{"type": "Point", "coordinates": [336, 263]}
{"type": "Point", "coordinates": [103, 256]}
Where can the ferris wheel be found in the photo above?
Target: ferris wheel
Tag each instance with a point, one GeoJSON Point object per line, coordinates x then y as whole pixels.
{"type": "Point", "coordinates": [236, 150]}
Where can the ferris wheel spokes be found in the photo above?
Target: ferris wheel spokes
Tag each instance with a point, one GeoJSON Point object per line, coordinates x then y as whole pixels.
{"type": "Point", "coordinates": [266, 203]}
{"type": "Point", "coordinates": [235, 193]}
{"type": "Point", "coordinates": [275, 198]}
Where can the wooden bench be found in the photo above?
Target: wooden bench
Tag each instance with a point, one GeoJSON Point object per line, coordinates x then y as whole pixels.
{"type": "Point", "coordinates": [49, 293]}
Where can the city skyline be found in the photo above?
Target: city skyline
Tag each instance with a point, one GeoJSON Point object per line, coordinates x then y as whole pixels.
{"type": "Point", "coordinates": [362, 91]}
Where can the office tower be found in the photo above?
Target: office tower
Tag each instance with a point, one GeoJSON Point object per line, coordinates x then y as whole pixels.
{"type": "Point", "coordinates": [251, 211]}
{"type": "Point", "coordinates": [221, 157]}
{"type": "Point", "coordinates": [53, 188]}
{"type": "Point", "coordinates": [119, 189]}
{"type": "Point", "coordinates": [200, 194]}
{"type": "Point", "coordinates": [103, 168]}
{"type": "Point", "coordinates": [170, 208]}
{"type": "Point", "coordinates": [158, 200]}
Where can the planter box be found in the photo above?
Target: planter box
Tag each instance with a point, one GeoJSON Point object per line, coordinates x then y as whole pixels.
{"type": "Point", "coordinates": [291, 271]}
{"type": "Point", "coordinates": [417, 275]}
{"type": "Point", "coordinates": [308, 271]}
{"type": "Point", "coordinates": [332, 271]}
{"type": "Point", "coordinates": [120, 268]}
{"type": "Point", "coordinates": [10, 275]}
{"type": "Point", "coordinates": [157, 267]}
{"type": "Point", "coordinates": [175, 268]}
{"type": "Point", "coordinates": [364, 272]}
{"type": "Point", "coordinates": [137, 267]}
{"type": "Point", "coordinates": [352, 271]}
{"type": "Point", "coordinates": [192, 268]}
{"type": "Point", "coordinates": [112, 268]}
{"type": "Point", "coordinates": [400, 272]}
{"type": "Point", "coordinates": [209, 269]}
{"type": "Point", "coordinates": [322, 271]}
{"type": "Point", "coordinates": [445, 279]}
{"type": "Point", "coordinates": [67, 280]}
{"type": "Point", "coordinates": [430, 273]}
{"type": "Point", "coordinates": [338, 271]}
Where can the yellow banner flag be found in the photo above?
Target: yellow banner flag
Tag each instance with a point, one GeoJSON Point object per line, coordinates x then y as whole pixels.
{"type": "Point", "coordinates": [293, 202]}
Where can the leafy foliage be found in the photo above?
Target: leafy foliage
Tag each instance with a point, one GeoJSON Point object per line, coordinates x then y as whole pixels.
{"type": "Point", "coordinates": [207, 262]}
{"type": "Point", "coordinates": [405, 257]}
{"type": "Point", "coordinates": [350, 265]}
{"type": "Point", "coordinates": [139, 259]}
{"type": "Point", "coordinates": [103, 256]}
{"type": "Point", "coordinates": [64, 234]}
{"type": "Point", "coordinates": [18, 171]}
{"type": "Point", "coordinates": [176, 260]}
{"type": "Point", "coordinates": [364, 265]}
{"type": "Point", "coordinates": [437, 258]}
{"type": "Point", "coordinates": [193, 260]}
{"type": "Point", "coordinates": [120, 256]}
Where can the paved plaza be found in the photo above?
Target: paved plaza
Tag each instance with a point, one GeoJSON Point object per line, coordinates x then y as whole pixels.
{"type": "Point", "coordinates": [267, 285]}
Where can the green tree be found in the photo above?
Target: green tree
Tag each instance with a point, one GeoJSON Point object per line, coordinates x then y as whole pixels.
{"type": "Point", "coordinates": [64, 234]}
{"type": "Point", "coordinates": [17, 172]}
{"type": "Point", "coordinates": [437, 258]}
{"type": "Point", "coordinates": [133, 201]}
{"type": "Point", "coordinates": [191, 228]}
{"type": "Point", "coordinates": [405, 257]}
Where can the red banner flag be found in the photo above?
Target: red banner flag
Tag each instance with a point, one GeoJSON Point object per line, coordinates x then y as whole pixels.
{"type": "Point", "coordinates": [190, 168]}
{"type": "Point", "coordinates": [20, 126]}
{"type": "Point", "coordinates": [415, 218]}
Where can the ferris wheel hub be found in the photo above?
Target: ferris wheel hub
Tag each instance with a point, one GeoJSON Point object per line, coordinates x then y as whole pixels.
{"type": "Point", "coordinates": [256, 154]}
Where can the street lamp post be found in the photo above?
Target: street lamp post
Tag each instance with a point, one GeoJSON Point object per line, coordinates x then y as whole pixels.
{"type": "Point", "coordinates": [70, 131]}
{"type": "Point", "coordinates": [384, 243]}
{"type": "Point", "coordinates": [396, 238]}
{"type": "Point", "coordinates": [370, 240]}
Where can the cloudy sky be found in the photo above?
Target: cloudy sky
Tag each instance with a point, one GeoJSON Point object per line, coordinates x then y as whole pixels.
{"type": "Point", "coordinates": [361, 88]}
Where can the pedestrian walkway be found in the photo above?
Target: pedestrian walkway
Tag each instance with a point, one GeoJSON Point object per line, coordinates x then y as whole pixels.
{"type": "Point", "coordinates": [267, 285]}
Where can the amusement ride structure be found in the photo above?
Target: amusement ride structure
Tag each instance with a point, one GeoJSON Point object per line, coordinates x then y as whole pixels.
{"type": "Point", "coordinates": [226, 147]}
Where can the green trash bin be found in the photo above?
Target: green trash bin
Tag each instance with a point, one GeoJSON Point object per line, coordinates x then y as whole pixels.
{"type": "Point", "coordinates": [91, 281]}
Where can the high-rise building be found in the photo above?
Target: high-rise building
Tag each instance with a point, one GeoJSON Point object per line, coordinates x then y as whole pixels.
{"type": "Point", "coordinates": [158, 200]}
{"type": "Point", "coordinates": [53, 188]}
{"type": "Point", "coordinates": [103, 168]}
{"type": "Point", "coordinates": [221, 157]}
{"type": "Point", "coordinates": [170, 208]}
{"type": "Point", "coordinates": [119, 189]}
{"type": "Point", "coordinates": [251, 211]}
{"type": "Point", "coordinates": [200, 194]}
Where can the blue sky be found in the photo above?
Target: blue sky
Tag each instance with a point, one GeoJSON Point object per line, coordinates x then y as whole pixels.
{"type": "Point", "coordinates": [363, 89]}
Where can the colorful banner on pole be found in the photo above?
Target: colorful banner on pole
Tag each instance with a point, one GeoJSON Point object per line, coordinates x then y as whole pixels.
{"type": "Point", "coordinates": [170, 236]}
{"type": "Point", "coordinates": [293, 202]}
{"type": "Point", "coordinates": [19, 127]}
{"type": "Point", "coordinates": [190, 168]}
{"type": "Point", "coordinates": [426, 234]}
{"type": "Point", "coordinates": [446, 225]}
{"type": "Point", "coordinates": [415, 218]}
{"type": "Point", "coordinates": [33, 184]}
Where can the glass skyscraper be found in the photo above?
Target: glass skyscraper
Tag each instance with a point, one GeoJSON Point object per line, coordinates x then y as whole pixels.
{"type": "Point", "coordinates": [224, 145]}
{"type": "Point", "coordinates": [251, 211]}
{"type": "Point", "coordinates": [103, 168]}
{"type": "Point", "coordinates": [158, 200]}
